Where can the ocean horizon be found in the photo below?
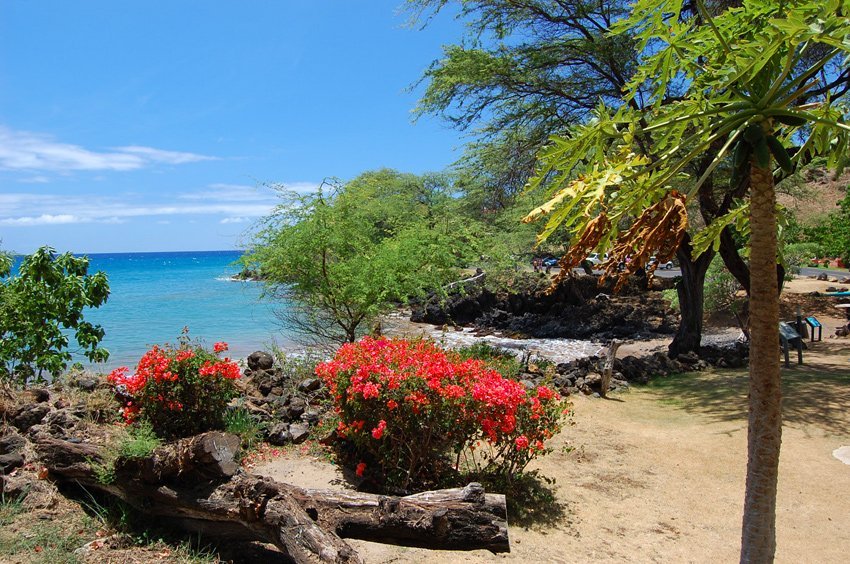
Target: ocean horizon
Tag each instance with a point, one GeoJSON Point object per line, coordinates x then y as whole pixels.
{"type": "Point", "coordinates": [154, 295]}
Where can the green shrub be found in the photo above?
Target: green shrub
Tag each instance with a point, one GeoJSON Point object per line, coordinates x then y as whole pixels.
{"type": "Point", "coordinates": [241, 422]}
{"type": "Point", "coordinates": [800, 254]}
{"type": "Point", "coordinates": [39, 306]}
{"type": "Point", "coordinates": [721, 288]}
{"type": "Point", "coordinates": [138, 441]}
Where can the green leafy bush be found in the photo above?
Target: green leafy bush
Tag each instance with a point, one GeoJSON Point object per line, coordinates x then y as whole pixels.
{"type": "Point", "coordinates": [38, 309]}
{"type": "Point", "coordinates": [800, 254]}
{"type": "Point", "coordinates": [180, 391]}
{"type": "Point", "coordinates": [721, 288]}
{"type": "Point", "coordinates": [414, 413]}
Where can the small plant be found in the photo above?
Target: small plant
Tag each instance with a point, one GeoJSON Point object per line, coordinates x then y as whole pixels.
{"type": "Point", "coordinates": [240, 422]}
{"type": "Point", "coordinates": [498, 359]}
{"type": "Point", "coordinates": [138, 441]}
{"type": "Point", "coordinates": [412, 410]}
{"type": "Point", "coordinates": [181, 391]}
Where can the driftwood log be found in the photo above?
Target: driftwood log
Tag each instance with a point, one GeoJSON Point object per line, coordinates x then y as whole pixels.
{"type": "Point", "coordinates": [197, 484]}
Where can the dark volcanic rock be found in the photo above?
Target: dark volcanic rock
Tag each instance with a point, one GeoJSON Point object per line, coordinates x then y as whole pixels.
{"type": "Point", "coordinates": [30, 415]}
{"type": "Point", "coordinates": [579, 309]}
{"type": "Point", "coordinates": [260, 360]}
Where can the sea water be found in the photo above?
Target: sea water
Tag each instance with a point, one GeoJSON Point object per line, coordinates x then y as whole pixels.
{"type": "Point", "coordinates": [153, 296]}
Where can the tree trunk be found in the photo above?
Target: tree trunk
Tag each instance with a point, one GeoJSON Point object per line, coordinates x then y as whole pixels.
{"type": "Point", "coordinates": [737, 266]}
{"type": "Point", "coordinates": [758, 542]}
{"type": "Point", "coordinates": [196, 483]}
{"type": "Point", "coordinates": [608, 367]}
{"type": "Point", "coordinates": [691, 292]}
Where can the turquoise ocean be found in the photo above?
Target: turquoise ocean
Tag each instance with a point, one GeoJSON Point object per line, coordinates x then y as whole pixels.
{"type": "Point", "coordinates": [155, 295]}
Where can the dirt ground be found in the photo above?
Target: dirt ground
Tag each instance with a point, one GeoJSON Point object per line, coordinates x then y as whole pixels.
{"type": "Point", "coordinates": [656, 474]}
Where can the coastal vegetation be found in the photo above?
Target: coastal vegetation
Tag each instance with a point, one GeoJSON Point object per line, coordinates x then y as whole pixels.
{"type": "Point", "coordinates": [39, 307]}
{"type": "Point", "coordinates": [654, 130]}
{"type": "Point", "coordinates": [353, 251]}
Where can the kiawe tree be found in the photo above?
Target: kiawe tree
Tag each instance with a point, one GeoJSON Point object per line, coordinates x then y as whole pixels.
{"type": "Point", "coordinates": [530, 69]}
{"type": "Point", "coordinates": [743, 82]}
{"type": "Point", "coordinates": [351, 252]}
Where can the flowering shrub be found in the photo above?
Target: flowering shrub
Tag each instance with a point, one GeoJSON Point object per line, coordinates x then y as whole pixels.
{"type": "Point", "coordinates": [416, 411]}
{"type": "Point", "coordinates": [181, 391]}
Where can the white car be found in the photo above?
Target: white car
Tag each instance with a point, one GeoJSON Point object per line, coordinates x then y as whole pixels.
{"type": "Point", "coordinates": [663, 266]}
{"type": "Point", "coordinates": [595, 259]}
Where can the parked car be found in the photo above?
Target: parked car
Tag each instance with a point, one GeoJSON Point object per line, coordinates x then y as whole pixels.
{"type": "Point", "coordinates": [550, 262]}
{"type": "Point", "coordinates": [663, 266]}
{"type": "Point", "coordinates": [595, 259]}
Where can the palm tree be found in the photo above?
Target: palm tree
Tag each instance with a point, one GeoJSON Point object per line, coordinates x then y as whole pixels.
{"type": "Point", "coordinates": [737, 79]}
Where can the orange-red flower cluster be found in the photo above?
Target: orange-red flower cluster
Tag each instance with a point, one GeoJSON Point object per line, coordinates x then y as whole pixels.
{"type": "Point", "coordinates": [404, 391]}
{"type": "Point", "coordinates": [179, 390]}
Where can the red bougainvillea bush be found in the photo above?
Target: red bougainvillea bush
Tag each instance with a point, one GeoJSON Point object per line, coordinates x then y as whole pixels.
{"type": "Point", "coordinates": [414, 412]}
{"type": "Point", "coordinates": [181, 391]}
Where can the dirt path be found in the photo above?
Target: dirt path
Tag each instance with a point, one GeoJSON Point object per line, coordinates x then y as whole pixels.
{"type": "Point", "coordinates": [657, 475]}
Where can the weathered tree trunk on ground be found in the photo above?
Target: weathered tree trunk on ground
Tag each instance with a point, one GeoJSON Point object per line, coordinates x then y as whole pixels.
{"type": "Point", "coordinates": [196, 483]}
{"type": "Point", "coordinates": [608, 368]}
{"type": "Point", "coordinates": [764, 434]}
{"type": "Point", "coordinates": [691, 292]}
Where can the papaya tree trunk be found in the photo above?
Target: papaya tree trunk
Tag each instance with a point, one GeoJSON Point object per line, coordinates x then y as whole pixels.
{"type": "Point", "coordinates": [691, 293]}
{"type": "Point", "coordinates": [758, 542]}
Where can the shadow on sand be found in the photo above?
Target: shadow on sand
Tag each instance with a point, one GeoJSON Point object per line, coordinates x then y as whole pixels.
{"type": "Point", "coordinates": [815, 393]}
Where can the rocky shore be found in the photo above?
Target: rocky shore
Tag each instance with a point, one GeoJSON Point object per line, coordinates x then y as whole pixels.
{"type": "Point", "coordinates": [578, 309]}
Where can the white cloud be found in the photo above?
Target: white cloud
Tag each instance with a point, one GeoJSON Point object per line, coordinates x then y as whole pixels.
{"type": "Point", "coordinates": [160, 156]}
{"type": "Point", "coordinates": [24, 150]}
{"type": "Point", "coordinates": [44, 219]}
{"type": "Point", "coordinates": [24, 209]}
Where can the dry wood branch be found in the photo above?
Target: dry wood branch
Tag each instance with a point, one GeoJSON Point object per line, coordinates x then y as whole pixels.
{"type": "Point", "coordinates": [192, 483]}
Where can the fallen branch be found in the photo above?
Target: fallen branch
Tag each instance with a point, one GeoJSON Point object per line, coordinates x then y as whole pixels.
{"type": "Point", "coordinates": [196, 483]}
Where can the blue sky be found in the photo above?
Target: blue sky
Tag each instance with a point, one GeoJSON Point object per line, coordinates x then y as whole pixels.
{"type": "Point", "coordinates": [152, 125]}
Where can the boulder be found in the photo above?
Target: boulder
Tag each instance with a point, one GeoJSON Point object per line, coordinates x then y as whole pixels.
{"type": "Point", "coordinates": [260, 360]}
{"type": "Point", "coordinates": [823, 277]}
{"type": "Point", "coordinates": [309, 385]}
{"type": "Point", "coordinates": [29, 415]}
{"type": "Point", "coordinates": [279, 434]}
{"type": "Point", "coordinates": [9, 462]}
{"type": "Point", "coordinates": [300, 432]}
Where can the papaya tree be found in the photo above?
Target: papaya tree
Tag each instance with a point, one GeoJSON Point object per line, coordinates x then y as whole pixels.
{"type": "Point", "coordinates": [740, 81]}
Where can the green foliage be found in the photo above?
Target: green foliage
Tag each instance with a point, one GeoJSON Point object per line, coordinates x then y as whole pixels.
{"type": "Point", "coordinates": [494, 358]}
{"type": "Point", "coordinates": [832, 234]}
{"type": "Point", "coordinates": [40, 306]}
{"type": "Point", "coordinates": [346, 256]}
{"type": "Point", "coordinates": [137, 441]}
{"type": "Point", "coordinates": [672, 296]}
{"type": "Point", "coordinates": [800, 254]}
{"type": "Point", "coordinates": [721, 289]}
{"type": "Point", "coordinates": [241, 422]}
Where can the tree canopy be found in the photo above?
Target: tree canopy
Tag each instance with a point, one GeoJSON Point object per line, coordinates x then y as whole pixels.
{"type": "Point", "coordinates": [353, 251]}
{"type": "Point", "coordinates": [40, 306]}
{"type": "Point", "coordinates": [740, 79]}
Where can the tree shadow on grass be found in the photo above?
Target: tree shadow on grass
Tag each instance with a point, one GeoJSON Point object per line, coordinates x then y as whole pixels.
{"type": "Point", "coordinates": [816, 393]}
